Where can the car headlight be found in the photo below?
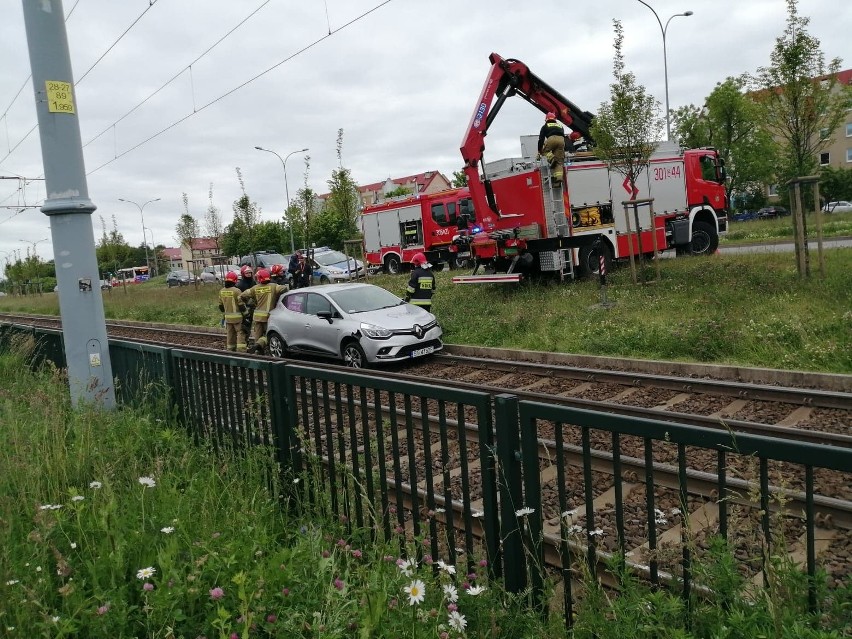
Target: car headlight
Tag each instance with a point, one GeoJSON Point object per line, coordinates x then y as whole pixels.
{"type": "Point", "coordinates": [375, 332]}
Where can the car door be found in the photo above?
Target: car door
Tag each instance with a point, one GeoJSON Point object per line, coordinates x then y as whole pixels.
{"type": "Point", "coordinates": [321, 336]}
{"type": "Point", "coordinates": [292, 322]}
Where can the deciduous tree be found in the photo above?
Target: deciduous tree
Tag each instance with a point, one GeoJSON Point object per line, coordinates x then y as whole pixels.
{"type": "Point", "coordinates": [626, 128]}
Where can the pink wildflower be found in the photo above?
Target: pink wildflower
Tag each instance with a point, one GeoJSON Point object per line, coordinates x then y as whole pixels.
{"type": "Point", "coordinates": [427, 559]}
{"type": "Point", "coordinates": [147, 586]}
{"type": "Point", "coordinates": [341, 543]}
{"type": "Point", "coordinates": [356, 554]}
{"type": "Point", "coordinates": [271, 618]}
{"type": "Point", "coordinates": [326, 554]}
{"type": "Point", "coordinates": [216, 593]}
{"type": "Point", "coordinates": [103, 609]}
{"type": "Point", "coordinates": [285, 591]}
{"type": "Point", "coordinates": [452, 607]}
{"type": "Point", "coordinates": [338, 583]}
{"type": "Point", "coordinates": [483, 563]}
{"type": "Point", "coordinates": [389, 558]}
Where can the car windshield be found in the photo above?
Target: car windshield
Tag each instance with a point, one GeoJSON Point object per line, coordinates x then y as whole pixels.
{"type": "Point", "coordinates": [329, 257]}
{"type": "Point", "coordinates": [364, 298]}
{"type": "Point", "coordinates": [180, 273]}
{"type": "Point", "coordinates": [268, 259]}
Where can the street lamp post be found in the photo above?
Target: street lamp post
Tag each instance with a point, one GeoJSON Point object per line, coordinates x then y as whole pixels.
{"type": "Point", "coordinates": [664, 29]}
{"type": "Point", "coordinates": [35, 255]}
{"type": "Point", "coordinates": [286, 188]}
{"type": "Point", "coordinates": [154, 247]}
{"type": "Point", "coordinates": [144, 237]}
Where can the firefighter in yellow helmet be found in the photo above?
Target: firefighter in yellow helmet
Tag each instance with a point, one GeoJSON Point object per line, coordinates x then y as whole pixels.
{"type": "Point", "coordinates": [262, 297]}
{"type": "Point", "coordinates": [551, 144]}
{"type": "Point", "coordinates": [422, 283]}
{"type": "Point", "coordinates": [233, 307]}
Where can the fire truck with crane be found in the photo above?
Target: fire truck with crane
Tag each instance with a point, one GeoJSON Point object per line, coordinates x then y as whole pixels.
{"type": "Point", "coordinates": [526, 223]}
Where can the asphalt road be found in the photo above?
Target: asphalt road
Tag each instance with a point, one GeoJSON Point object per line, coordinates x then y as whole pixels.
{"type": "Point", "coordinates": [785, 247]}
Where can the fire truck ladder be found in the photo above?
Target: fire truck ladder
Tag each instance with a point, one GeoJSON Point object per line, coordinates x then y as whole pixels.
{"type": "Point", "coordinates": [557, 223]}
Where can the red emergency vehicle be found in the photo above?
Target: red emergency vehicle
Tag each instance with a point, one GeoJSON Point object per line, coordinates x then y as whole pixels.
{"type": "Point", "coordinates": [396, 230]}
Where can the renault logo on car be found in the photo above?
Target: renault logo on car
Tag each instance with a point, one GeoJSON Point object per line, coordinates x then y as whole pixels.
{"type": "Point", "coordinates": [418, 331]}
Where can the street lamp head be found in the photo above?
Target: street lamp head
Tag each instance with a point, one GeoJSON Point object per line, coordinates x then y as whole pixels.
{"type": "Point", "coordinates": [303, 150]}
{"type": "Point", "coordinates": [260, 148]}
{"type": "Point", "coordinates": [687, 13]}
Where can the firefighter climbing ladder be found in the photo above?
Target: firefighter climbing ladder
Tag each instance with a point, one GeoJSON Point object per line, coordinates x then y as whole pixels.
{"type": "Point", "coordinates": [557, 223]}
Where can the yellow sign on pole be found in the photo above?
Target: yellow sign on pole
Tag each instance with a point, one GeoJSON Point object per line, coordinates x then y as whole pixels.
{"type": "Point", "coordinates": [59, 97]}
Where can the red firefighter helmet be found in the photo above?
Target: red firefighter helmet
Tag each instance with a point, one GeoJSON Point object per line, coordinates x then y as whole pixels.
{"type": "Point", "coordinates": [277, 269]}
{"type": "Point", "coordinates": [262, 276]}
{"type": "Point", "coordinates": [575, 135]}
{"type": "Point", "coordinates": [550, 116]}
{"type": "Point", "coordinates": [419, 259]}
{"type": "Point", "coordinates": [231, 276]}
{"type": "Point", "coordinates": [246, 271]}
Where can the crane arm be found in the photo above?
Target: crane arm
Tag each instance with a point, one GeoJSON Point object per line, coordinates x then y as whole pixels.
{"type": "Point", "coordinates": [506, 78]}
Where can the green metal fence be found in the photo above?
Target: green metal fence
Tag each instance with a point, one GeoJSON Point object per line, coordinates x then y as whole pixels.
{"type": "Point", "coordinates": [522, 484]}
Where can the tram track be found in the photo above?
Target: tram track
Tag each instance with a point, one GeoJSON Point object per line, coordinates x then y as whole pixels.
{"type": "Point", "coordinates": [654, 396]}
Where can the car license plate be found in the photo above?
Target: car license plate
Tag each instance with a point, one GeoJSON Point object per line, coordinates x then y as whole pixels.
{"type": "Point", "coordinates": [423, 351]}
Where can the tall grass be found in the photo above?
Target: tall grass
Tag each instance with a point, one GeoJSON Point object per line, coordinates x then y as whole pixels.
{"type": "Point", "coordinates": [834, 225]}
{"type": "Point", "coordinates": [749, 309]}
{"type": "Point", "coordinates": [116, 525]}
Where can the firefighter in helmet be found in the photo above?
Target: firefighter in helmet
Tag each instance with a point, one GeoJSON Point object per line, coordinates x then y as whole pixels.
{"type": "Point", "coordinates": [551, 144]}
{"type": "Point", "coordinates": [278, 274]}
{"type": "Point", "coordinates": [234, 309]}
{"type": "Point", "coordinates": [246, 278]}
{"type": "Point", "coordinates": [262, 297]}
{"type": "Point", "coordinates": [577, 143]}
{"type": "Point", "coordinates": [422, 283]}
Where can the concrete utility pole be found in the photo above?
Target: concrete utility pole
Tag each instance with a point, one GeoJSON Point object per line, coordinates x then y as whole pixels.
{"type": "Point", "coordinates": [68, 206]}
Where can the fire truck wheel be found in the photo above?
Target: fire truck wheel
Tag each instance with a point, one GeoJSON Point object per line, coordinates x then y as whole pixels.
{"type": "Point", "coordinates": [590, 261]}
{"type": "Point", "coordinates": [391, 265]}
{"type": "Point", "coordinates": [704, 239]}
{"type": "Point", "coordinates": [459, 262]}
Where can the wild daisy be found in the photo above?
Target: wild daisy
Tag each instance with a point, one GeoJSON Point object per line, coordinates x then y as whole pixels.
{"type": "Point", "coordinates": [416, 592]}
{"type": "Point", "coordinates": [77, 498]}
{"type": "Point", "coordinates": [473, 591]}
{"type": "Point", "coordinates": [457, 621]}
{"type": "Point", "coordinates": [95, 484]}
{"type": "Point", "coordinates": [451, 593]}
{"type": "Point", "coordinates": [523, 512]}
{"type": "Point", "coordinates": [148, 482]}
{"type": "Point", "coordinates": [168, 530]}
{"type": "Point", "coordinates": [145, 573]}
{"type": "Point", "coordinates": [448, 568]}
{"type": "Point", "coordinates": [407, 566]}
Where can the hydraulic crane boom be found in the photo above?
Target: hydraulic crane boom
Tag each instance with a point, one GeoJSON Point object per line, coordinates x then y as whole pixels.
{"type": "Point", "coordinates": [507, 78]}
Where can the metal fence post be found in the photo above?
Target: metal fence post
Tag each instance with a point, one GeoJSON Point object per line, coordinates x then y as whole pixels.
{"type": "Point", "coordinates": [511, 495]}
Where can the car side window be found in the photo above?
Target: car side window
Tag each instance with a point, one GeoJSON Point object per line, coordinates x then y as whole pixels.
{"type": "Point", "coordinates": [317, 303]}
{"type": "Point", "coordinates": [295, 303]}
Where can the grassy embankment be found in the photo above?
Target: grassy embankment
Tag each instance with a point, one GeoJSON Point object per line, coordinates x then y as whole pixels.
{"type": "Point", "coordinates": [116, 525]}
{"type": "Point", "coordinates": [749, 310]}
{"type": "Point", "coordinates": [781, 229]}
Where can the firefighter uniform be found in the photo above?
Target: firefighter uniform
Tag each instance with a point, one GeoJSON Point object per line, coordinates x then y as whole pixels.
{"type": "Point", "coordinates": [420, 287]}
{"type": "Point", "coordinates": [232, 306]}
{"type": "Point", "coordinates": [551, 144]}
{"type": "Point", "coordinates": [262, 297]}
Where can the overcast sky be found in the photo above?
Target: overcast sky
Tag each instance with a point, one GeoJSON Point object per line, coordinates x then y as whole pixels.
{"type": "Point", "coordinates": [400, 77]}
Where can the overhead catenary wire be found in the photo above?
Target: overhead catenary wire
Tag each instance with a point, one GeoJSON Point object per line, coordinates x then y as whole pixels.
{"type": "Point", "coordinates": [242, 85]}
{"type": "Point", "coordinates": [181, 72]}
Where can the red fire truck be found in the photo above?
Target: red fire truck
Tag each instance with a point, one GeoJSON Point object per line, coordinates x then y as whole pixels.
{"type": "Point", "coordinates": [529, 225]}
{"type": "Point", "coordinates": [396, 230]}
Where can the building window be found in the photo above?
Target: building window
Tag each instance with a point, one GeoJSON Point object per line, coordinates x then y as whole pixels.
{"type": "Point", "coordinates": [849, 155]}
{"type": "Point", "coordinates": [773, 190]}
{"type": "Point", "coordinates": [849, 129]}
{"type": "Point", "coordinates": [823, 134]}
{"type": "Point", "coordinates": [824, 159]}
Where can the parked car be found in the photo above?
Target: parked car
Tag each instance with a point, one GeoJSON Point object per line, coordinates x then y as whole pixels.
{"type": "Point", "coordinates": [772, 211]}
{"type": "Point", "coordinates": [264, 259]}
{"type": "Point", "coordinates": [357, 323]}
{"type": "Point", "coordinates": [331, 266]}
{"type": "Point", "coordinates": [106, 285]}
{"type": "Point", "coordinates": [744, 216]}
{"type": "Point", "coordinates": [179, 278]}
{"type": "Point", "coordinates": [841, 206]}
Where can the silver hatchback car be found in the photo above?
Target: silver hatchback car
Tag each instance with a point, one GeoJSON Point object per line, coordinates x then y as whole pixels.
{"type": "Point", "coordinates": [360, 324]}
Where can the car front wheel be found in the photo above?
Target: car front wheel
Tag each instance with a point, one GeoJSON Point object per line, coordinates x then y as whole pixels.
{"type": "Point", "coordinates": [353, 355]}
